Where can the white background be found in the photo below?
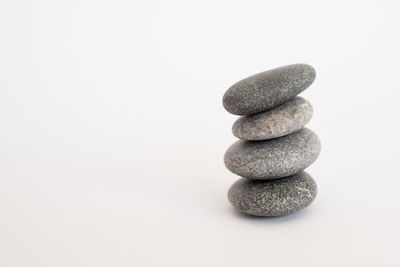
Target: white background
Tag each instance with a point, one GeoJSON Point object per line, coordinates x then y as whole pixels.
{"type": "Point", "coordinates": [112, 132]}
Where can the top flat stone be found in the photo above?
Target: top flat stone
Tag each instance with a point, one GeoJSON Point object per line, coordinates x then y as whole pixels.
{"type": "Point", "coordinates": [268, 89]}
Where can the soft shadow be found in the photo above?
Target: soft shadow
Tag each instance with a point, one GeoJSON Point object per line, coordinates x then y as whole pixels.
{"type": "Point", "coordinates": [299, 215]}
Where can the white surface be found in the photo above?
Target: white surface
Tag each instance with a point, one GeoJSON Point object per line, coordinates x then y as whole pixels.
{"type": "Point", "coordinates": [113, 132]}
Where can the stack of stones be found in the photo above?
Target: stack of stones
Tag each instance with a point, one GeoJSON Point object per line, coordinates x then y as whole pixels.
{"type": "Point", "coordinates": [275, 148]}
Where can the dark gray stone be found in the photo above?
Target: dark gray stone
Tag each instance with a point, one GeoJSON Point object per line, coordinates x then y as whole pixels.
{"type": "Point", "coordinates": [268, 89]}
{"type": "Point", "coordinates": [274, 197]}
{"type": "Point", "coordinates": [279, 121]}
{"type": "Point", "coordinates": [274, 158]}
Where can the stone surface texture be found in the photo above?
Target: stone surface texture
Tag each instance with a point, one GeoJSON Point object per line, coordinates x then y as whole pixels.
{"type": "Point", "coordinates": [274, 197]}
{"type": "Point", "coordinates": [279, 121]}
{"type": "Point", "coordinates": [268, 89]}
{"type": "Point", "coordinates": [274, 158]}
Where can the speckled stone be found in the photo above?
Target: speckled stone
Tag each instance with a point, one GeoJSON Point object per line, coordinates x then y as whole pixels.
{"type": "Point", "coordinates": [268, 89]}
{"type": "Point", "coordinates": [275, 197]}
{"type": "Point", "coordinates": [274, 158]}
{"type": "Point", "coordinates": [279, 121]}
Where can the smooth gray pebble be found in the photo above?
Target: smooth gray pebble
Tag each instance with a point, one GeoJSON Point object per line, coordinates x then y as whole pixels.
{"type": "Point", "coordinates": [275, 197]}
{"type": "Point", "coordinates": [279, 121]}
{"type": "Point", "coordinates": [268, 89]}
{"type": "Point", "coordinates": [273, 158]}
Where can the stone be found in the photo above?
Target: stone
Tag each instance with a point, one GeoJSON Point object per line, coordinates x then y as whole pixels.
{"type": "Point", "coordinates": [279, 121]}
{"type": "Point", "coordinates": [268, 89]}
{"type": "Point", "coordinates": [273, 197]}
{"type": "Point", "coordinates": [273, 158]}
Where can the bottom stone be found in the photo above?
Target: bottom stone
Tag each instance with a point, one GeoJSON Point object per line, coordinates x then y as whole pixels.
{"type": "Point", "coordinates": [273, 197]}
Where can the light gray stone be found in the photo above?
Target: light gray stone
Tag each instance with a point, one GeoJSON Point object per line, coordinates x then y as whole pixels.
{"type": "Point", "coordinates": [279, 121]}
{"type": "Point", "coordinates": [268, 89]}
{"type": "Point", "coordinates": [274, 158]}
{"type": "Point", "coordinates": [274, 197]}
